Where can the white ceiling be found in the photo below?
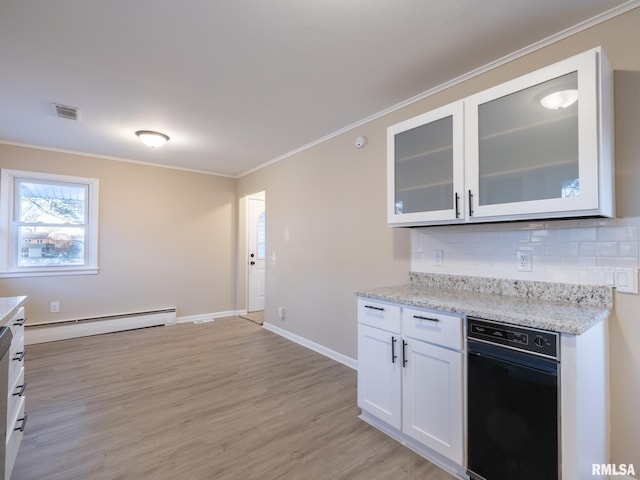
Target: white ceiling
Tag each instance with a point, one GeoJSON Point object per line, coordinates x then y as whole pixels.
{"type": "Point", "coordinates": [239, 83]}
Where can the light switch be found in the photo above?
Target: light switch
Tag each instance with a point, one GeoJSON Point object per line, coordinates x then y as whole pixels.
{"type": "Point", "coordinates": [609, 277]}
{"type": "Point", "coordinates": [621, 279]}
{"type": "Point", "coordinates": [627, 280]}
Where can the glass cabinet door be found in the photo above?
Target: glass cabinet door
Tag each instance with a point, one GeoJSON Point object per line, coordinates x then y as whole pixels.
{"type": "Point", "coordinates": [532, 143]}
{"type": "Point", "coordinates": [425, 172]}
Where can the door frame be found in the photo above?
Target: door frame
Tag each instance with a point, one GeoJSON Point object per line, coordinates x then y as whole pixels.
{"type": "Point", "coordinates": [244, 256]}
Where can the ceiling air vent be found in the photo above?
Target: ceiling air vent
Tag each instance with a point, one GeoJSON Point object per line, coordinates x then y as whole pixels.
{"type": "Point", "coordinates": [65, 111]}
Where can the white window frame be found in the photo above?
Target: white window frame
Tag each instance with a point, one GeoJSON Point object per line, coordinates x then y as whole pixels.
{"type": "Point", "coordinates": [9, 232]}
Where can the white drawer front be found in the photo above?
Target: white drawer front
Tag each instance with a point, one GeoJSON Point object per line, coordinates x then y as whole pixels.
{"type": "Point", "coordinates": [14, 438]}
{"type": "Point", "coordinates": [17, 390]}
{"type": "Point", "coordinates": [379, 314]}
{"type": "Point", "coordinates": [16, 356]}
{"type": "Point", "coordinates": [434, 327]}
{"type": "Point", "coordinates": [16, 323]}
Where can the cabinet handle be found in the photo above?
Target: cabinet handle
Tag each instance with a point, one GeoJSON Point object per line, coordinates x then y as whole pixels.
{"type": "Point", "coordinates": [20, 322]}
{"type": "Point", "coordinates": [393, 350]}
{"type": "Point", "coordinates": [374, 308]}
{"type": "Point", "coordinates": [24, 424]}
{"type": "Point", "coordinates": [21, 389]}
{"type": "Point", "coordinates": [20, 355]}
{"type": "Point", "coordinates": [404, 353]}
{"type": "Point", "coordinates": [419, 317]}
{"type": "Point", "coordinates": [470, 204]}
{"type": "Point", "coordinates": [457, 205]}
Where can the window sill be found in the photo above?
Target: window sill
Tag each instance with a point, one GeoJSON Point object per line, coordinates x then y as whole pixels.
{"type": "Point", "coordinates": [50, 272]}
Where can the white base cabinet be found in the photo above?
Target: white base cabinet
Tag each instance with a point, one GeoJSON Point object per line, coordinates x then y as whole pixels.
{"type": "Point", "coordinates": [16, 416]}
{"type": "Point", "coordinates": [379, 378]}
{"type": "Point", "coordinates": [411, 377]}
{"type": "Point", "coordinates": [432, 398]}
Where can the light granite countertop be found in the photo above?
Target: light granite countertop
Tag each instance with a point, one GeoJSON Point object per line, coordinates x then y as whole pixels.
{"type": "Point", "coordinates": [561, 308]}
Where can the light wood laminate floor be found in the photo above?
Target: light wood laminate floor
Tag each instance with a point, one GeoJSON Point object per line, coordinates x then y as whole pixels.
{"type": "Point", "coordinates": [224, 400]}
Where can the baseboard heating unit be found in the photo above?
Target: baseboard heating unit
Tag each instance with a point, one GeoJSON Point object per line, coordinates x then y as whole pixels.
{"type": "Point", "coordinates": [61, 330]}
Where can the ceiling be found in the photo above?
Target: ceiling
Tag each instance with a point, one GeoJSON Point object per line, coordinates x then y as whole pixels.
{"type": "Point", "coordinates": [239, 83]}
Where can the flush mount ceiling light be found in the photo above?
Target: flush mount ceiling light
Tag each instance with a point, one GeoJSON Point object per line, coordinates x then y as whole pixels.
{"type": "Point", "coordinates": [152, 139]}
{"type": "Point", "coordinates": [560, 99]}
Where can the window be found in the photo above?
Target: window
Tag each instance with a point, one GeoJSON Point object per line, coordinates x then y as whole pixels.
{"type": "Point", "coordinates": [50, 224]}
{"type": "Point", "coordinates": [261, 231]}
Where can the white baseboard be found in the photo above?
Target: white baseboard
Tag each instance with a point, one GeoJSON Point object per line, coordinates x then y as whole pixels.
{"type": "Point", "coordinates": [209, 317]}
{"type": "Point", "coordinates": [51, 332]}
{"type": "Point", "coordinates": [316, 347]}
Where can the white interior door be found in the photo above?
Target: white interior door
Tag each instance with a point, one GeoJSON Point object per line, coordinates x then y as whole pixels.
{"type": "Point", "coordinates": [257, 252]}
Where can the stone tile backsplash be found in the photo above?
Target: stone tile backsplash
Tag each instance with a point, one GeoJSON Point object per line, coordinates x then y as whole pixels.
{"type": "Point", "coordinates": [562, 250]}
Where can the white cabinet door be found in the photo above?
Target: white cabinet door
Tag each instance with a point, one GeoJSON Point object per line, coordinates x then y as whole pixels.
{"type": "Point", "coordinates": [425, 173]}
{"type": "Point", "coordinates": [432, 398]}
{"type": "Point", "coordinates": [379, 374]}
{"type": "Point", "coordinates": [501, 155]}
{"type": "Point", "coordinates": [525, 160]}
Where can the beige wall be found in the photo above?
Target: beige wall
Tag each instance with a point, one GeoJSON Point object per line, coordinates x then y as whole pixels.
{"type": "Point", "coordinates": [326, 233]}
{"type": "Point", "coordinates": [327, 237]}
{"type": "Point", "coordinates": [167, 239]}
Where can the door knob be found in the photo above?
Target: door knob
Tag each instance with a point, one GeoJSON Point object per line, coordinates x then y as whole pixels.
{"type": "Point", "coordinates": [252, 262]}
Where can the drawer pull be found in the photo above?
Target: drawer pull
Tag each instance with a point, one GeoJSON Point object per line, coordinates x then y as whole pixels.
{"type": "Point", "coordinates": [404, 353]}
{"type": "Point", "coordinates": [20, 355]}
{"type": "Point", "coordinates": [24, 424]}
{"type": "Point", "coordinates": [21, 322]}
{"type": "Point", "coordinates": [420, 317]}
{"type": "Point", "coordinates": [393, 350]}
{"type": "Point", "coordinates": [21, 389]}
{"type": "Point", "coordinates": [380, 309]}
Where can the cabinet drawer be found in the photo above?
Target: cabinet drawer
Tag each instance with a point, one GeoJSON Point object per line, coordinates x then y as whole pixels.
{"type": "Point", "coordinates": [16, 323]}
{"type": "Point", "coordinates": [16, 357]}
{"type": "Point", "coordinates": [379, 314]}
{"type": "Point", "coordinates": [433, 327]}
{"type": "Point", "coordinates": [14, 397]}
{"type": "Point", "coordinates": [15, 431]}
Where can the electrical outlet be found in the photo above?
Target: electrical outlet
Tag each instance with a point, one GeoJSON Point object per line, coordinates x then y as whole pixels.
{"type": "Point", "coordinates": [523, 261]}
{"type": "Point", "coordinates": [281, 313]}
{"type": "Point", "coordinates": [437, 257]}
{"type": "Point", "coordinates": [54, 307]}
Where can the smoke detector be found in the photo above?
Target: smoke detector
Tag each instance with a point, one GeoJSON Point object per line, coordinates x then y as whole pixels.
{"type": "Point", "coordinates": [65, 111]}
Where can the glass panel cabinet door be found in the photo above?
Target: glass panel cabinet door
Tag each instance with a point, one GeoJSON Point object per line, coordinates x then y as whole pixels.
{"type": "Point", "coordinates": [425, 173]}
{"type": "Point", "coordinates": [532, 143]}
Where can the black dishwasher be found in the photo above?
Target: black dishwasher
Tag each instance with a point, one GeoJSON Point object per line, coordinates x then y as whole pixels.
{"type": "Point", "coordinates": [512, 402]}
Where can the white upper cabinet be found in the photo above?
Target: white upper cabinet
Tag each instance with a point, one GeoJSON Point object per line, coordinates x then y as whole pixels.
{"type": "Point", "coordinates": [522, 160]}
{"type": "Point", "coordinates": [425, 168]}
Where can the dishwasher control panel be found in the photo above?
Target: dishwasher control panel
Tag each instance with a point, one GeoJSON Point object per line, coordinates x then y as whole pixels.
{"type": "Point", "coordinates": [541, 342]}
